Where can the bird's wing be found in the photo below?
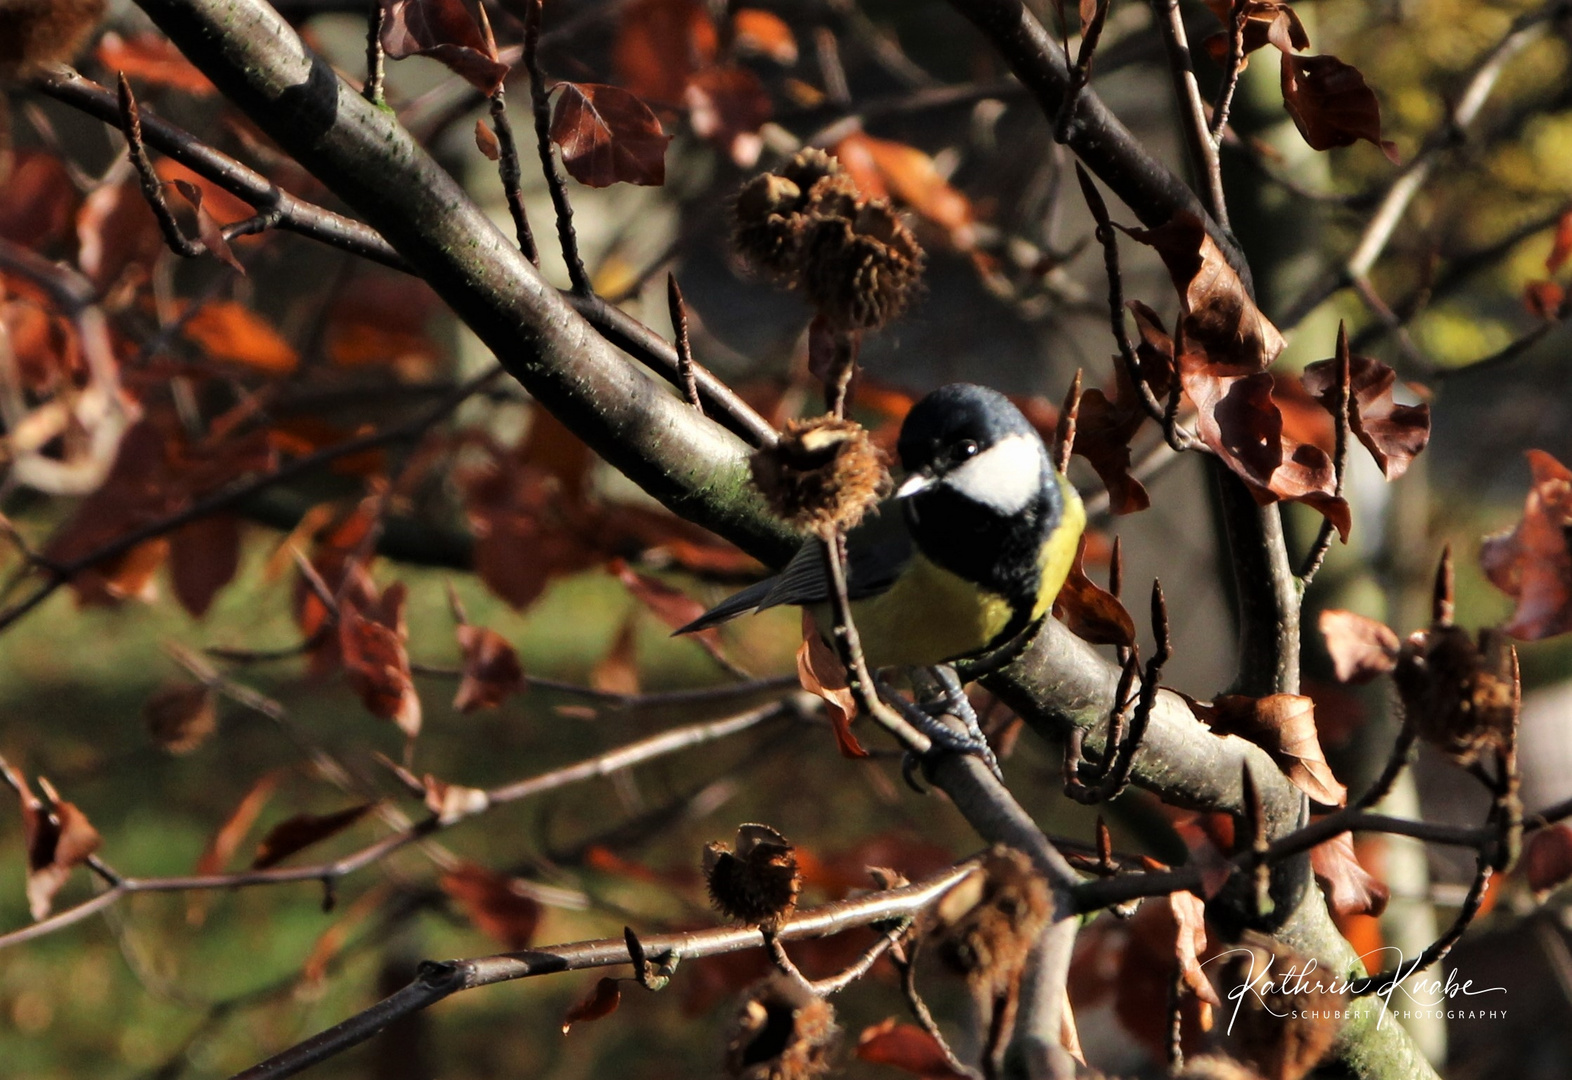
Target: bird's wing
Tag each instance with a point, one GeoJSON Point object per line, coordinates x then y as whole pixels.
{"type": "Point", "coordinates": [877, 552]}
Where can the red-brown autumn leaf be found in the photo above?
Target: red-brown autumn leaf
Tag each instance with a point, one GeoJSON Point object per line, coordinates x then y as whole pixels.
{"type": "Point", "coordinates": [115, 231]}
{"type": "Point", "coordinates": [670, 605]}
{"type": "Point", "coordinates": [330, 943]}
{"type": "Point", "coordinates": [204, 556]}
{"type": "Point", "coordinates": [445, 31]}
{"type": "Point", "coordinates": [40, 201]}
{"type": "Point", "coordinates": [230, 331]}
{"type": "Point", "coordinates": [1091, 612]}
{"type": "Point", "coordinates": [1561, 246]}
{"type": "Point", "coordinates": [1265, 24]}
{"type": "Point", "coordinates": [1104, 427]}
{"type": "Point", "coordinates": [1284, 726]}
{"type": "Point", "coordinates": [1394, 434]}
{"type": "Point", "coordinates": [491, 669]}
{"type": "Point", "coordinates": [1227, 347]}
{"type": "Point", "coordinates": [180, 716]}
{"type": "Point", "coordinates": [1547, 858]}
{"type": "Point", "coordinates": [883, 167]}
{"type": "Point", "coordinates": [208, 229]}
{"type": "Point", "coordinates": [1361, 648]}
{"type": "Point", "coordinates": [1350, 888]}
{"type": "Point", "coordinates": [491, 903]}
{"type": "Point", "coordinates": [1533, 563]}
{"type": "Point", "coordinates": [1330, 103]}
{"type": "Point", "coordinates": [58, 837]}
{"type": "Point", "coordinates": [44, 345]}
{"type": "Point", "coordinates": [377, 664]}
{"type": "Point", "coordinates": [618, 671]}
{"type": "Point", "coordinates": [225, 841]}
{"type": "Point", "coordinates": [151, 58]}
{"type": "Point", "coordinates": [1544, 299]}
{"type": "Point", "coordinates": [301, 831]}
{"type": "Point", "coordinates": [598, 1003]}
{"type": "Point", "coordinates": [763, 33]}
{"type": "Point", "coordinates": [906, 1047]}
{"type": "Point", "coordinates": [608, 136]}
{"type": "Point", "coordinates": [820, 672]}
{"type": "Point", "coordinates": [727, 105]}
{"type": "Point", "coordinates": [660, 44]}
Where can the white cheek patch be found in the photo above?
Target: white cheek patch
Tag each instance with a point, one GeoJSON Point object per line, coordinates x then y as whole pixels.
{"type": "Point", "coordinates": [1006, 477]}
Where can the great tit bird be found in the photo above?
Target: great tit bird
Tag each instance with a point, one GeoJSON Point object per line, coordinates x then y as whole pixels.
{"type": "Point", "coordinates": [970, 550]}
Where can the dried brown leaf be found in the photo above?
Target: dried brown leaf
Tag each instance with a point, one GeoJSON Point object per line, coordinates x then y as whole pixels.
{"type": "Point", "coordinates": [1533, 563]}
{"type": "Point", "coordinates": [1350, 888]}
{"type": "Point", "coordinates": [820, 672]}
{"type": "Point", "coordinates": [1284, 726]}
{"type": "Point", "coordinates": [301, 831]}
{"type": "Point", "coordinates": [1394, 434]}
{"type": "Point", "coordinates": [906, 1047]}
{"type": "Point", "coordinates": [445, 31]}
{"type": "Point", "coordinates": [491, 903]}
{"type": "Point", "coordinates": [1330, 103]}
{"type": "Point", "coordinates": [1091, 612]}
{"type": "Point", "coordinates": [180, 716]}
{"type": "Point", "coordinates": [608, 136]}
{"type": "Point", "coordinates": [1547, 858]}
{"type": "Point", "coordinates": [491, 669]}
{"type": "Point", "coordinates": [1361, 648]}
{"type": "Point", "coordinates": [600, 1002]}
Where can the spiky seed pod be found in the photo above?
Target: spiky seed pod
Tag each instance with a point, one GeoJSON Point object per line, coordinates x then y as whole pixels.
{"type": "Point", "coordinates": [1460, 695]}
{"type": "Point", "coordinates": [860, 272]}
{"type": "Point", "coordinates": [823, 474]}
{"type": "Point", "coordinates": [781, 1032]}
{"type": "Point", "coordinates": [759, 882]}
{"type": "Point", "coordinates": [1288, 1018]}
{"type": "Point", "coordinates": [987, 932]}
{"type": "Point", "coordinates": [774, 211]}
{"type": "Point", "coordinates": [1215, 1067]}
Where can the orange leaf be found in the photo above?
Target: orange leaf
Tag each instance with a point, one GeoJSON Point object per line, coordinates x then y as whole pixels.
{"type": "Point", "coordinates": [906, 1047]}
{"type": "Point", "coordinates": [1547, 858]}
{"type": "Point", "coordinates": [600, 1002]}
{"type": "Point", "coordinates": [660, 44]}
{"type": "Point", "coordinates": [230, 331]}
{"type": "Point", "coordinates": [39, 202]}
{"type": "Point", "coordinates": [154, 59]}
{"type": "Point", "coordinates": [618, 671]}
{"type": "Point", "coordinates": [1284, 726]}
{"type": "Point", "coordinates": [763, 33]}
{"type": "Point", "coordinates": [1350, 888]}
{"type": "Point", "coordinates": [1091, 612]}
{"type": "Point", "coordinates": [376, 663]}
{"type": "Point", "coordinates": [909, 175]}
{"type": "Point", "coordinates": [58, 837]}
{"type": "Point", "coordinates": [486, 141]}
{"type": "Point", "coordinates": [1394, 434]}
{"type": "Point", "coordinates": [1189, 912]}
{"type": "Point", "coordinates": [1561, 248]}
{"type": "Point", "coordinates": [820, 672]}
{"type": "Point", "coordinates": [670, 605]}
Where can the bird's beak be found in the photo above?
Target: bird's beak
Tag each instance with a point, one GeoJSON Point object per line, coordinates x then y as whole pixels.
{"type": "Point", "coordinates": [918, 481]}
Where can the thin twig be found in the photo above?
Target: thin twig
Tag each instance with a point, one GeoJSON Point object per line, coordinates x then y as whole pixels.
{"type": "Point", "coordinates": [152, 186]}
{"type": "Point", "coordinates": [436, 981]}
{"type": "Point", "coordinates": [539, 97]}
{"type": "Point", "coordinates": [1081, 71]}
{"type": "Point", "coordinates": [679, 330]}
{"type": "Point", "coordinates": [512, 175]}
{"type": "Point", "coordinates": [1192, 113]}
{"type": "Point", "coordinates": [1225, 95]}
{"type": "Point", "coordinates": [373, 90]}
{"type": "Point", "coordinates": [907, 966]}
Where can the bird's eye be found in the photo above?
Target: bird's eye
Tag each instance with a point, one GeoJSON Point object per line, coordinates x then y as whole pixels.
{"type": "Point", "coordinates": [964, 449]}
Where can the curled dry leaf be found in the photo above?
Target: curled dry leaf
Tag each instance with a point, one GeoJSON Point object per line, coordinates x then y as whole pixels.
{"type": "Point", "coordinates": [618, 671]}
{"type": "Point", "coordinates": [821, 674]}
{"type": "Point", "coordinates": [1361, 648]}
{"type": "Point", "coordinates": [486, 141]}
{"type": "Point", "coordinates": [1105, 426]}
{"type": "Point", "coordinates": [1350, 888]}
{"type": "Point", "coordinates": [1225, 347]}
{"type": "Point", "coordinates": [1533, 563]}
{"type": "Point", "coordinates": [58, 837]}
{"type": "Point", "coordinates": [906, 1047]}
{"type": "Point", "coordinates": [1331, 105]}
{"type": "Point", "coordinates": [491, 669]}
{"type": "Point", "coordinates": [491, 903]}
{"type": "Point", "coordinates": [209, 231]}
{"type": "Point", "coordinates": [1394, 434]}
{"type": "Point", "coordinates": [301, 831]}
{"type": "Point", "coordinates": [1189, 912]}
{"type": "Point", "coordinates": [375, 660]}
{"type": "Point", "coordinates": [608, 136]}
{"type": "Point", "coordinates": [600, 1002]}
{"type": "Point", "coordinates": [180, 716]}
{"type": "Point", "coordinates": [445, 31]}
{"type": "Point", "coordinates": [1265, 24]}
{"type": "Point", "coordinates": [1091, 612]}
{"type": "Point", "coordinates": [1284, 726]}
{"type": "Point", "coordinates": [1547, 858]}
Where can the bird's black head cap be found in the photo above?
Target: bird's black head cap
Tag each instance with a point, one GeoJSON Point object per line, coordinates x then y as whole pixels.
{"type": "Point", "coordinates": [955, 422]}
